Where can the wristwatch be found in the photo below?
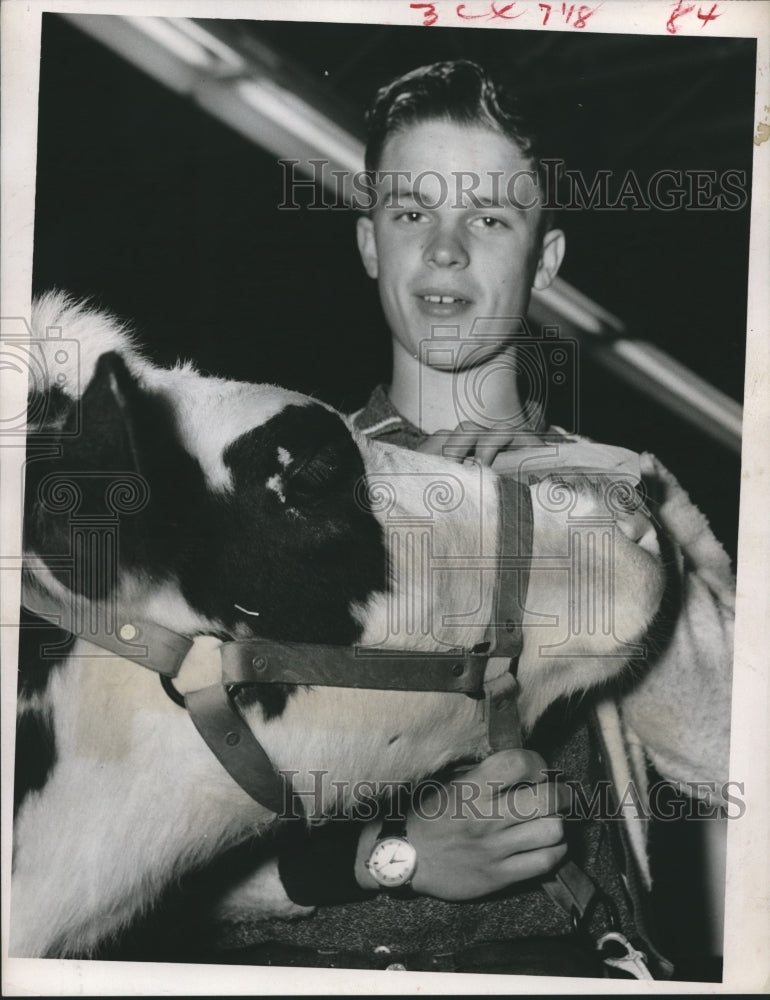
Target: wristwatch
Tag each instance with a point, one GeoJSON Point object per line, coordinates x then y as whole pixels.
{"type": "Point", "coordinates": [393, 859]}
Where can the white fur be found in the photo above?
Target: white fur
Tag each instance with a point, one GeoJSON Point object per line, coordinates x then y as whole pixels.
{"type": "Point", "coordinates": [136, 797]}
{"type": "Point", "coordinates": [83, 333]}
{"type": "Point", "coordinates": [212, 412]}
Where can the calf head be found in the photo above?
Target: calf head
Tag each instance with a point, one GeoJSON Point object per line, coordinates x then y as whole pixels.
{"type": "Point", "coordinates": [233, 506]}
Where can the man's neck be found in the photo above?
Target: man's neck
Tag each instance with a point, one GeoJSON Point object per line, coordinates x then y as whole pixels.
{"type": "Point", "coordinates": [436, 400]}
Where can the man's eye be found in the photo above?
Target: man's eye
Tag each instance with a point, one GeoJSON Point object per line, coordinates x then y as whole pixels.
{"type": "Point", "coordinates": [411, 217]}
{"type": "Point", "coordinates": [489, 222]}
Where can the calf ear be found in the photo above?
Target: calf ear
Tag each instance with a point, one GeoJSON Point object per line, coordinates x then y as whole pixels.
{"type": "Point", "coordinates": [101, 433]}
{"type": "Point", "coordinates": [99, 477]}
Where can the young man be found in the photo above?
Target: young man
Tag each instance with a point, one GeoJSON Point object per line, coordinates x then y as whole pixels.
{"type": "Point", "coordinates": [456, 240]}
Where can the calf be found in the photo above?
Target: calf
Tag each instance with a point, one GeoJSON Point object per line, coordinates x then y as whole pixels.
{"type": "Point", "coordinates": [223, 511]}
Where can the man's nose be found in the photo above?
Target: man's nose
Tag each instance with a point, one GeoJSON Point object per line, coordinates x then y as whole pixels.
{"type": "Point", "coordinates": [446, 248]}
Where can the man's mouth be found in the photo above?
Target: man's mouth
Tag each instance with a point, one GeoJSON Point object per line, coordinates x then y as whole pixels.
{"type": "Point", "coordinates": [443, 299]}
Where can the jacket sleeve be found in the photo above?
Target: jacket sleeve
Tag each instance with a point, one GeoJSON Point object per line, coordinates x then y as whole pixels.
{"type": "Point", "coordinates": [260, 895]}
{"type": "Point", "coordinates": [679, 707]}
{"type": "Point", "coordinates": [313, 866]}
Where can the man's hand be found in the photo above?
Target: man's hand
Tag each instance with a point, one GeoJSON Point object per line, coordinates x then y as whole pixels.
{"type": "Point", "coordinates": [482, 443]}
{"type": "Point", "coordinates": [497, 825]}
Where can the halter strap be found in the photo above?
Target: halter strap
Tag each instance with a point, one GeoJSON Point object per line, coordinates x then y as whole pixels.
{"type": "Point", "coordinates": [150, 645]}
{"type": "Point", "coordinates": [216, 715]}
{"type": "Point", "coordinates": [259, 661]}
{"type": "Point", "coordinates": [514, 547]}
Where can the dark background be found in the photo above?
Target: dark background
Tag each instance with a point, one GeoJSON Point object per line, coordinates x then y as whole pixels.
{"type": "Point", "coordinates": [169, 218]}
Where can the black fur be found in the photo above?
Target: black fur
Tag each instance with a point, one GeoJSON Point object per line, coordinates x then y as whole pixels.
{"type": "Point", "coordinates": [299, 562]}
{"type": "Point", "coordinates": [35, 754]}
{"type": "Point", "coordinates": [47, 409]}
{"type": "Point", "coordinates": [115, 435]}
{"type": "Point", "coordinates": [42, 650]}
{"type": "Point", "coordinates": [300, 559]}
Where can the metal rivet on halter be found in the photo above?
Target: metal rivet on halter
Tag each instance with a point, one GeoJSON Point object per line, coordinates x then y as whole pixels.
{"type": "Point", "coordinates": [458, 669]}
{"type": "Point", "coordinates": [232, 739]}
{"type": "Point", "coordinates": [510, 626]}
{"type": "Point", "coordinates": [259, 662]}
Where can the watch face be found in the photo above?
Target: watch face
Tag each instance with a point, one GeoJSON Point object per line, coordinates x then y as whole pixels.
{"type": "Point", "coordinates": [392, 861]}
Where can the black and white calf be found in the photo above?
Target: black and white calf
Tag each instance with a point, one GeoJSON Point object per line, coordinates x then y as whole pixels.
{"type": "Point", "coordinates": [224, 510]}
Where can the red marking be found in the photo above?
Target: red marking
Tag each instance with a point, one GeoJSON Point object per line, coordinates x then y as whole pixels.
{"type": "Point", "coordinates": [503, 12]}
{"type": "Point", "coordinates": [679, 11]}
{"type": "Point", "coordinates": [467, 17]}
{"type": "Point", "coordinates": [429, 13]}
{"type": "Point", "coordinates": [711, 16]}
{"type": "Point", "coordinates": [584, 12]}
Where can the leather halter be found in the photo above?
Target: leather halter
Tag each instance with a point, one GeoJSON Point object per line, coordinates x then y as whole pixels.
{"type": "Point", "coordinates": [214, 709]}
{"type": "Point", "coordinates": [216, 715]}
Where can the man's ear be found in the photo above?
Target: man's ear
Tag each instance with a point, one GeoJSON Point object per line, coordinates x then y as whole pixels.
{"type": "Point", "coordinates": [367, 245]}
{"type": "Point", "coordinates": [551, 256]}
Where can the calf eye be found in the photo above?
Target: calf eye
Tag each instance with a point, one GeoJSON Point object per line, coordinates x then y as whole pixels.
{"type": "Point", "coordinates": [315, 473]}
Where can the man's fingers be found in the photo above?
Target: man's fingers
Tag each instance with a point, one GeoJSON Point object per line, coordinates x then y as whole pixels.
{"type": "Point", "coordinates": [513, 786]}
{"type": "Point", "coordinates": [532, 864]}
{"type": "Point", "coordinates": [510, 766]}
{"type": "Point", "coordinates": [434, 445]}
{"type": "Point", "coordinates": [483, 443]}
{"type": "Point", "coordinates": [461, 442]}
{"type": "Point", "coordinates": [486, 450]}
{"type": "Point", "coordinates": [525, 803]}
{"type": "Point", "coordinates": [457, 444]}
{"type": "Point", "coordinates": [547, 831]}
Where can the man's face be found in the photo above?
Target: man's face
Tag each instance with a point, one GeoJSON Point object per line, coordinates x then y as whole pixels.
{"type": "Point", "coordinates": [452, 242]}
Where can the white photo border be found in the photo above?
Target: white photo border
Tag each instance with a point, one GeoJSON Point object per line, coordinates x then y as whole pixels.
{"type": "Point", "coordinates": [747, 964]}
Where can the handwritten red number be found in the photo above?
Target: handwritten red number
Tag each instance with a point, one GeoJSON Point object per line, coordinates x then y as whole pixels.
{"type": "Point", "coordinates": [547, 8]}
{"type": "Point", "coordinates": [429, 13]}
{"type": "Point", "coordinates": [584, 12]}
{"type": "Point", "coordinates": [679, 11]}
{"type": "Point", "coordinates": [711, 16]}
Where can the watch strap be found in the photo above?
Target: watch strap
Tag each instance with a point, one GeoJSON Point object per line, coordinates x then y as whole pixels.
{"type": "Point", "coordinates": [392, 826]}
{"type": "Point", "coordinates": [395, 815]}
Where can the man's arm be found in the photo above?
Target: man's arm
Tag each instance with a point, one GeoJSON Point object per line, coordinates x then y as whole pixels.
{"type": "Point", "coordinates": [497, 825]}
